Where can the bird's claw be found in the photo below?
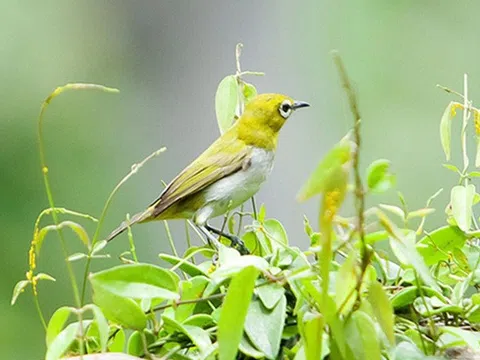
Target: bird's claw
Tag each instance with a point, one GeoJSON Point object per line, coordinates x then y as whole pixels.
{"type": "Point", "coordinates": [238, 244]}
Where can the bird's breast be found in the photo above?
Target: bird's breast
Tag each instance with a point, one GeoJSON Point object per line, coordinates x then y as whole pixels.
{"type": "Point", "coordinates": [240, 186]}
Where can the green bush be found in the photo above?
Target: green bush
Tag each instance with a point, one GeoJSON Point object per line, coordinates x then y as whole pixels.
{"type": "Point", "coordinates": [344, 297]}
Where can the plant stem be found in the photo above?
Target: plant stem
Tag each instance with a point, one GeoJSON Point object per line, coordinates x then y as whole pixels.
{"type": "Point", "coordinates": [40, 313]}
{"type": "Point", "coordinates": [133, 171]}
{"type": "Point", "coordinates": [254, 208]}
{"type": "Point", "coordinates": [466, 115]}
{"type": "Point", "coordinates": [170, 238]}
{"type": "Point", "coordinates": [359, 190]}
{"type": "Point", "coordinates": [48, 190]}
{"type": "Point", "coordinates": [187, 236]}
{"type": "Point", "coordinates": [192, 301]}
{"type": "Point", "coordinates": [133, 250]}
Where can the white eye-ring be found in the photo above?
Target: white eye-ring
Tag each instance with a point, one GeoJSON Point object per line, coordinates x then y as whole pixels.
{"type": "Point", "coordinates": [285, 108]}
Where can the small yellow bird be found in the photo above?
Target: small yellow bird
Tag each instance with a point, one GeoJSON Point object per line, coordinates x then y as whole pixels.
{"type": "Point", "coordinates": [228, 173]}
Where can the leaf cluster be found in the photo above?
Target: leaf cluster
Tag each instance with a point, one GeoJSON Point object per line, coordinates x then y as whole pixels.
{"type": "Point", "coordinates": [371, 285]}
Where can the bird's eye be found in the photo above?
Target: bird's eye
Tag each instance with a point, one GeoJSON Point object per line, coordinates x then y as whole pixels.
{"type": "Point", "coordinates": [285, 108]}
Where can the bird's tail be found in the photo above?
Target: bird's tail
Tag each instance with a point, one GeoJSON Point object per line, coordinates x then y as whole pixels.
{"type": "Point", "coordinates": [140, 217]}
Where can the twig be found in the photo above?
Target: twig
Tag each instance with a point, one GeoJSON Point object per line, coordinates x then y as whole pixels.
{"type": "Point", "coordinates": [191, 301]}
{"type": "Point", "coordinates": [359, 192]}
{"type": "Point", "coordinates": [133, 251]}
{"type": "Point", "coordinates": [133, 171]}
{"type": "Point", "coordinates": [450, 91]}
{"type": "Point", "coordinates": [44, 168]}
{"type": "Point", "coordinates": [466, 116]}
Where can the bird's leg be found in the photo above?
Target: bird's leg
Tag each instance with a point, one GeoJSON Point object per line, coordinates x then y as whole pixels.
{"type": "Point", "coordinates": [210, 238]}
{"type": "Point", "coordinates": [236, 241]}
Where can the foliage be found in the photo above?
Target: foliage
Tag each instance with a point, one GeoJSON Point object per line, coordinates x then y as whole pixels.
{"type": "Point", "coordinates": [343, 297]}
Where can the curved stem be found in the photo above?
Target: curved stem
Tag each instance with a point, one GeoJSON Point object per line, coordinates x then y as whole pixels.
{"type": "Point", "coordinates": [134, 170]}
{"type": "Point", "coordinates": [46, 181]}
{"type": "Point", "coordinates": [40, 313]}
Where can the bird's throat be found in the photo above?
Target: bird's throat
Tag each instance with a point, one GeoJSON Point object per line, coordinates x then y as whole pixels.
{"type": "Point", "coordinates": [260, 137]}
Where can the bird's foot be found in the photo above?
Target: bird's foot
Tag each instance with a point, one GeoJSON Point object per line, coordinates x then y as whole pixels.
{"type": "Point", "coordinates": [238, 244]}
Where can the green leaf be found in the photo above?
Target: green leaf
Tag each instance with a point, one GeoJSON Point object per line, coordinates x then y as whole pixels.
{"type": "Point", "coordinates": [43, 276]}
{"type": "Point", "coordinates": [403, 246]}
{"type": "Point", "coordinates": [203, 250]}
{"type": "Point", "coordinates": [307, 227]}
{"type": "Point", "coordinates": [462, 202]}
{"type": "Point", "coordinates": [332, 199]}
{"type": "Point", "coordinates": [57, 322]}
{"type": "Point", "coordinates": [408, 351]}
{"type": "Point", "coordinates": [102, 325]}
{"type": "Point", "coordinates": [264, 327]}
{"type": "Point", "coordinates": [336, 158]}
{"type": "Point", "coordinates": [434, 247]}
{"type": "Point", "coordinates": [77, 229]}
{"type": "Point", "coordinates": [362, 338]}
{"type": "Point", "coordinates": [451, 168]}
{"type": "Point", "coordinates": [62, 342]}
{"type": "Point", "coordinates": [374, 237]}
{"type": "Point", "coordinates": [76, 257]}
{"type": "Point", "coordinates": [394, 210]}
{"type": "Point", "coordinates": [197, 335]}
{"type": "Point", "coordinates": [345, 284]}
{"type": "Point", "coordinates": [476, 299]}
{"type": "Point", "coordinates": [379, 179]}
{"type": "Point", "coordinates": [234, 312]}
{"type": "Point", "coordinates": [138, 281]}
{"type": "Point", "coordinates": [98, 246]}
{"type": "Point", "coordinates": [262, 213]}
{"type": "Point", "coordinates": [270, 294]}
{"type": "Point", "coordinates": [121, 310]}
{"type": "Point", "coordinates": [135, 344]}
{"type": "Point", "coordinates": [468, 337]}
{"type": "Point", "coordinates": [446, 128]}
{"type": "Point", "coordinates": [18, 289]}
{"type": "Point", "coordinates": [382, 309]}
{"type": "Point", "coordinates": [249, 92]}
{"type": "Point", "coordinates": [190, 289]}
{"type": "Point", "coordinates": [226, 100]}
{"type": "Point", "coordinates": [420, 213]}
{"type": "Point", "coordinates": [336, 326]}
{"type": "Point", "coordinates": [200, 320]}
{"type": "Point", "coordinates": [312, 330]}
{"type": "Point", "coordinates": [461, 259]}
{"type": "Point", "coordinates": [252, 242]}
{"type": "Point", "coordinates": [276, 232]}
{"type": "Point", "coordinates": [247, 348]}
{"type": "Point", "coordinates": [118, 342]}
{"type": "Point", "coordinates": [261, 243]}
{"type": "Point", "coordinates": [408, 295]}
{"type": "Point", "coordinates": [233, 267]}
{"type": "Point", "coordinates": [186, 266]}
{"type": "Point", "coordinates": [421, 341]}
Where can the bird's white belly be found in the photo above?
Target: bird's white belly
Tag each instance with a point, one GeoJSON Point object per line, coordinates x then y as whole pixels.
{"type": "Point", "coordinates": [234, 190]}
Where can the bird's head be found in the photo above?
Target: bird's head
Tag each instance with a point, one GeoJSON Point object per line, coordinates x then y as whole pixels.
{"type": "Point", "coordinates": [264, 116]}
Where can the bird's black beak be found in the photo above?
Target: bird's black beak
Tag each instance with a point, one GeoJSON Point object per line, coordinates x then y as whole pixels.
{"type": "Point", "coordinates": [299, 104]}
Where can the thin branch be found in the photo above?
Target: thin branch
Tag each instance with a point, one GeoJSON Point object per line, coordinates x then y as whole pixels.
{"type": "Point", "coordinates": [466, 116]}
{"type": "Point", "coordinates": [359, 192]}
{"type": "Point", "coordinates": [450, 91]}
{"type": "Point", "coordinates": [192, 301]}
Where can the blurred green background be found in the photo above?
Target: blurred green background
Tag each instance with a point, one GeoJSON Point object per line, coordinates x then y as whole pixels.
{"type": "Point", "coordinates": [167, 58]}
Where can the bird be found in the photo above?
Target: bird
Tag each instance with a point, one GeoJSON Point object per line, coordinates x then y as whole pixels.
{"type": "Point", "coordinates": [228, 173]}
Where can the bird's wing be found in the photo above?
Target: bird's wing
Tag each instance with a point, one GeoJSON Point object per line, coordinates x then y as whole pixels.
{"type": "Point", "coordinates": [221, 159]}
